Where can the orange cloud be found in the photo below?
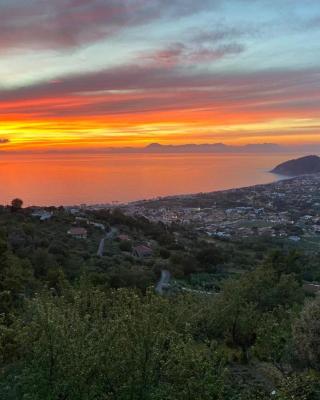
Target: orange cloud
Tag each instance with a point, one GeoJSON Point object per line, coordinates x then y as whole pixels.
{"type": "Point", "coordinates": [141, 104]}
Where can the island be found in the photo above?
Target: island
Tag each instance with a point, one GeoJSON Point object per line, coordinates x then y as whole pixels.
{"type": "Point", "coordinates": [300, 166]}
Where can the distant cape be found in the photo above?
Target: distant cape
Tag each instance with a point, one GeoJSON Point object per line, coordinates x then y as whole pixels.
{"type": "Point", "coordinates": [299, 166]}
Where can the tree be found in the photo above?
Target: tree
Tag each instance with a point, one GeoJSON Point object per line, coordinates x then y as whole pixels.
{"type": "Point", "coordinates": [125, 245]}
{"type": "Point", "coordinates": [236, 314]}
{"type": "Point", "coordinates": [306, 334]}
{"type": "Point", "coordinates": [118, 344]}
{"type": "Point", "coordinates": [16, 278]}
{"type": "Point", "coordinates": [274, 339]}
{"type": "Point", "coordinates": [16, 205]}
{"type": "Point", "coordinates": [234, 319]}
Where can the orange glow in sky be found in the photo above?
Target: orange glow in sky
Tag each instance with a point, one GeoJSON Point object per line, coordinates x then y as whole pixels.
{"type": "Point", "coordinates": [189, 118]}
{"type": "Point", "coordinates": [138, 73]}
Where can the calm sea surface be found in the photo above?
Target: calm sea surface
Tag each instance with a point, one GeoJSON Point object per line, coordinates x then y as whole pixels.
{"type": "Point", "coordinates": [91, 179]}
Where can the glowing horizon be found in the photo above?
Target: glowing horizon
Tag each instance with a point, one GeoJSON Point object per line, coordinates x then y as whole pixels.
{"type": "Point", "coordinates": [106, 73]}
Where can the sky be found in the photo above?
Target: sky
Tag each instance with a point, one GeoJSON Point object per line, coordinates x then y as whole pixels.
{"type": "Point", "coordinates": [88, 74]}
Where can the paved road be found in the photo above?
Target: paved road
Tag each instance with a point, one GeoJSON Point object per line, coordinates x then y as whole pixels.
{"type": "Point", "coordinates": [101, 247]}
{"type": "Point", "coordinates": [163, 282]}
{"type": "Point", "coordinates": [110, 235]}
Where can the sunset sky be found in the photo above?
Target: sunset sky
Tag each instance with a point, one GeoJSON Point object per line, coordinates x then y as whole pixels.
{"type": "Point", "coordinates": [100, 73]}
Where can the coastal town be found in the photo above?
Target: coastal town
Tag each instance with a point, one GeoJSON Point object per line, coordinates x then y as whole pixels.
{"type": "Point", "coordinates": [288, 210]}
{"type": "Point", "coordinates": [161, 240]}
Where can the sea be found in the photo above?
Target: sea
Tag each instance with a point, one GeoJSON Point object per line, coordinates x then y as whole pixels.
{"type": "Point", "coordinates": [72, 179]}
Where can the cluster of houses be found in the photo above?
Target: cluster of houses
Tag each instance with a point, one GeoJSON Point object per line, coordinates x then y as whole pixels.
{"type": "Point", "coordinates": [286, 209]}
{"type": "Point", "coordinates": [78, 231]}
{"type": "Point", "coordinates": [139, 251]}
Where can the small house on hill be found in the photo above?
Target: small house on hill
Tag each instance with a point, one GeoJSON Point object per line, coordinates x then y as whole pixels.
{"type": "Point", "coordinates": [142, 251]}
{"type": "Point", "coordinates": [123, 238]}
{"type": "Point", "coordinates": [78, 232]}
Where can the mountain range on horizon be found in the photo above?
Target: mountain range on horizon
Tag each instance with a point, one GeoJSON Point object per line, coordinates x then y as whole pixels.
{"type": "Point", "coordinates": [268, 148]}
{"type": "Point", "coordinates": [211, 148]}
{"type": "Point", "coordinates": [158, 148]}
{"type": "Point", "coordinates": [154, 148]}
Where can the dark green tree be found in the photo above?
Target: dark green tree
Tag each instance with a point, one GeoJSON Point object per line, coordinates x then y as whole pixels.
{"type": "Point", "coordinates": [16, 205]}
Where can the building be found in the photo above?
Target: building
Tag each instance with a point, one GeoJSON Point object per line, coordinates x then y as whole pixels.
{"type": "Point", "coordinates": [43, 215]}
{"type": "Point", "coordinates": [98, 225]}
{"type": "Point", "coordinates": [142, 251]}
{"type": "Point", "coordinates": [78, 232]}
{"type": "Point", "coordinates": [123, 238]}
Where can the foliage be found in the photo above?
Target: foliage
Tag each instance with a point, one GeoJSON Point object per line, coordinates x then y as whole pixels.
{"type": "Point", "coordinates": [16, 205]}
{"type": "Point", "coordinates": [307, 334]}
{"type": "Point", "coordinates": [88, 344]}
{"type": "Point", "coordinates": [77, 326]}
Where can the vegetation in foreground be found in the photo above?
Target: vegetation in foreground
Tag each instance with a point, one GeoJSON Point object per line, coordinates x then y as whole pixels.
{"type": "Point", "coordinates": [70, 331]}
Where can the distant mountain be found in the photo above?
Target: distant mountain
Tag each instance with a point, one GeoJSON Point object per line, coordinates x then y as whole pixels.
{"type": "Point", "coordinates": [299, 166]}
{"type": "Point", "coordinates": [200, 148]}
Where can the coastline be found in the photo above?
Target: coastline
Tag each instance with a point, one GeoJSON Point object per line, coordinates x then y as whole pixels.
{"type": "Point", "coordinates": [191, 196]}
{"type": "Point", "coordinates": [122, 179]}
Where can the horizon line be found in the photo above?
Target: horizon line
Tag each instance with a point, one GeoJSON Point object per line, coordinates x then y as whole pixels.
{"type": "Point", "coordinates": [155, 147]}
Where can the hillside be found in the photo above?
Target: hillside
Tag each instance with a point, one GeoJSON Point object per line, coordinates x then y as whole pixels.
{"type": "Point", "coordinates": [300, 166]}
{"type": "Point", "coordinates": [77, 293]}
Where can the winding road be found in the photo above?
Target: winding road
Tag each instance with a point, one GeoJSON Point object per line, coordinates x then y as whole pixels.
{"type": "Point", "coordinates": [163, 282]}
{"type": "Point", "coordinates": [110, 235]}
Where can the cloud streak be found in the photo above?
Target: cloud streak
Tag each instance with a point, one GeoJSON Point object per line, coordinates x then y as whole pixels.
{"type": "Point", "coordinates": [140, 81]}
{"type": "Point", "coordinates": [66, 24]}
{"type": "Point", "coordinates": [159, 100]}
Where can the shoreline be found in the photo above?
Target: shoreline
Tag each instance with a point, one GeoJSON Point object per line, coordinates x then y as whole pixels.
{"type": "Point", "coordinates": [116, 183]}
{"type": "Point", "coordinates": [186, 196]}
